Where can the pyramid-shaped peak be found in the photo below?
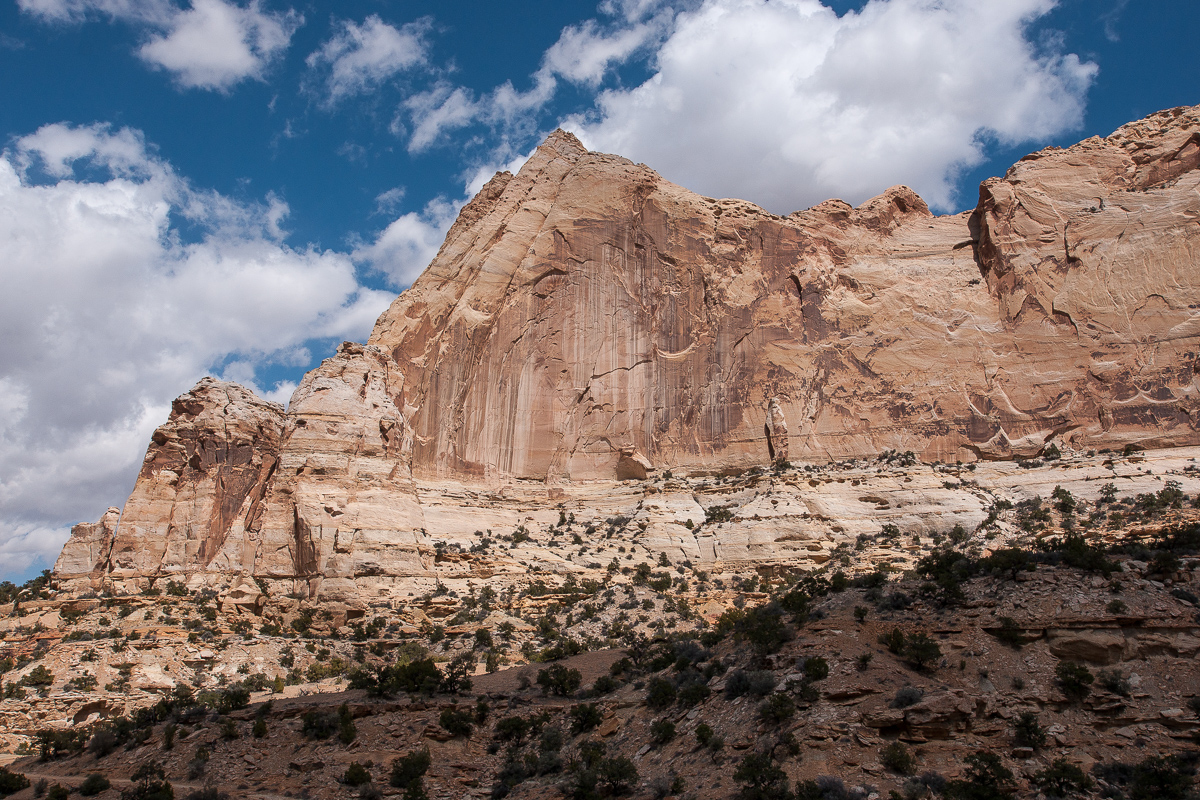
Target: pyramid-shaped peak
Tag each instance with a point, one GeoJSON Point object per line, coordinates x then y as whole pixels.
{"type": "Point", "coordinates": [563, 142]}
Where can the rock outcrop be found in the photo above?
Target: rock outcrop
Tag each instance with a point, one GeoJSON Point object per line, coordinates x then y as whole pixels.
{"type": "Point", "coordinates": [586, 306]}
{"type": "Point", "coordinates": [587, 322]}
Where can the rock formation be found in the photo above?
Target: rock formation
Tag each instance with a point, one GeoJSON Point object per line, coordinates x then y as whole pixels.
{"type": "Point", "coordinates": [586, 306]}
{"type": "Point", "coordinates": [587, 321]}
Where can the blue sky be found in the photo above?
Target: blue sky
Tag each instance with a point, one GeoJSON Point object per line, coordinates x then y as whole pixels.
{"type": "Point", "coordinates": [193, 187]}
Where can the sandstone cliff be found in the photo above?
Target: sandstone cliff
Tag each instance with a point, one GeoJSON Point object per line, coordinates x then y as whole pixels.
{"type": "Point", "coordinates": [586, 307]}
{"type": "Point", "coordinates": [586, 320]}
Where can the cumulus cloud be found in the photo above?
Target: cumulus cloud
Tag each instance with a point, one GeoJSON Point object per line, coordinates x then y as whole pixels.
{"type": "Point", "coordinates": [110, 310]}
{"type": "Point", "coordinates": [211, 45]}
{"type": "Point", "coordinates": [405, 247]}
{"type": "Point", "coordinates": [439, 110]}
{"type": "Point", "coordinates": [785, 103]}
{"type": "Point", "coordinates": [359, 57]}
{"type": "Point", "coordinates": [583, 55]}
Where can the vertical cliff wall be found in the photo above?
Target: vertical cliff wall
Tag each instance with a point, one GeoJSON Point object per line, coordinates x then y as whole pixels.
{"type": "Point", "coordinates": [587, 320]}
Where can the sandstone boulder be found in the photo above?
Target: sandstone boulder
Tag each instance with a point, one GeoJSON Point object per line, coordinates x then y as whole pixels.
{"type": "Point", "coordinates": [1094, 647]}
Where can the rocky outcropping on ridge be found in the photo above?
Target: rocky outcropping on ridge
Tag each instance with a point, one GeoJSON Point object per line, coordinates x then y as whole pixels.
{"type": "Point", "coordinates": [587, 320]}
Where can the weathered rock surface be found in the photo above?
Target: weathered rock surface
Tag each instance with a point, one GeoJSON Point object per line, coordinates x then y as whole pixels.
{"type": "Point", "coordinates": [585, 306]}
{"type": "Point", "coordinates": [85, 556]}
{"type": "Point", "coordinates": [587, 322]}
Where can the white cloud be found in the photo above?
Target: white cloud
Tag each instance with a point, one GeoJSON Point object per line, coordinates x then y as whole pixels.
{"type": "Point", "coordinates": [211, 45]}
{"type": "Point", "coordinates": [108, 313]}
{"type": "Point", "coordinates": [359, 57]}
{"type": "Point", "coordinates": [584, 53]}
{"type": "Point", "coordinates": [216, 44]}
{"type": "Point", "coordinates": [156, 12]}
{"type": "Point", "coordinates": [438, 110]}
{"type": "Point", "coordinates": [386, 202]}
{"type": "Point", "coordinates": [406, 246]}
{"type": "Point", "coordinates": [786, 104]}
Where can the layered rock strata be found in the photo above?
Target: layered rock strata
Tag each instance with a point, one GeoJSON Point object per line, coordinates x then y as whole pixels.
{"type": "Point", "coordinates": [587, 322]}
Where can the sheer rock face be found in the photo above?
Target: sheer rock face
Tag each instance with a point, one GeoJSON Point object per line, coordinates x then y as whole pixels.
{"type": "Point", "coordinates": [85, 557]}
{"type": "Point", "coordinates": [205, 473]}
{"type": "Point", "coordinates": [587, 307]}
{"type": "Point", "coordinates": [587, 320]}
{"type": "Point", "coordinates": [234, 486]}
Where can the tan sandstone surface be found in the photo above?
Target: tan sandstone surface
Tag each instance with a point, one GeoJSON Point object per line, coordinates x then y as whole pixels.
{"type": "Point", "coordinates": [588, 327]}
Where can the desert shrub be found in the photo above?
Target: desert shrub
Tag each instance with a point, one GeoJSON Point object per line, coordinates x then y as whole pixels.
{"type": "Point", "coordinates": [777, 708]}
{"type": "Point", "coordinates": [54, 743]}
{"type": "Point", "coordinates": [408, 769]}
{"type": "Point", "coordinates": [551, 740]}
{"type": "Point", "coordinates": [907, 696]}
{"type": "Point", "coordinates": [1062, 779]}
{"type": "Point", "coordinates": [662, 731]}
{"type": "Point", "coordinates": [94, 784]}
{"type": "Point", "coordinates": [898, 759]}
{"type": "Point", "coordinates": [418, 675]}
{"type": "Point", "coordinates": [1163, 778]}
{"type": "Point", "coordinates": [660, 693]}
{"type": "Point", "coordinates": [761, 779]}
{"type": "Point", "coordinates": [594, 775]}
{"type": "Point", "coordinates": [232, 698]}
{"type": "Point", "coordinates": [986, 778]}
{"type": "Point", "coordinates": [1028, 732]}
{"type": "Point", "coordinates": [920, 651]}
{"type": "Point", "coordinates": [456, 722]}
{"type": "Point", "coordinates": [825, 787]}
{"type": "Point", "coordinates": [1074, 550]}
{"type": "Point", "coordinates": [38, 676]}
{"type": "Point", "coordinates": [58, 792]}
{"type": "Point", "coordinates": [616, 775]}
{"type": "Point", "coordinates": [512, 773]}
{"type": "Point", "coordinates": [1113, 680]}
{"type": "Point", "coordinates": [894, 601]}
{"type": "Point", "coordinates": [755, 682]}
{"type": "Point", "coordinates": [511, 729]}
{"type": "Point", "coordinates": [559, 680]}
{"type": "Point", "coordinates": [945, 570]}
{"type": "Point", "coordinates": [229, 730]}
{"type": "Point", "coordinates": [894, 641]}
{"type": "Point", "coordinates": [1075, 680]}
{"type": "Point", "coordinates": [317, 724]}
{"type": "Point", "coordinates": [694, 693]}
{"type": "Point", "coordinates": [584, 717]}
{"type": "Point", "coordinates": [356, 775]}
{"type": "Point", "coordinates": [11, 782]}
{"type": "Point", "coordinates": [762, 627]}
{"type": "Point", "coordinates": [149, 783]}
{"type": "Point", "coordinates": [816, 668]}
{"type": "Point", "coordinates": [103, 742]}
{"type": "Point", "coordinates": [347, 733]}
{"type": "Point", "coordinates": [605, 684]}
